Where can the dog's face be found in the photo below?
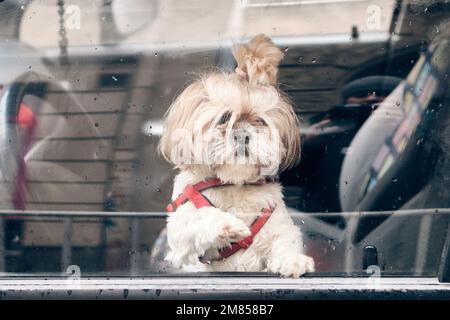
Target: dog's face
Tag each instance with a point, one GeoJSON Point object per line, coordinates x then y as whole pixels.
{"type": "Point", "coordinates": [225, 126]}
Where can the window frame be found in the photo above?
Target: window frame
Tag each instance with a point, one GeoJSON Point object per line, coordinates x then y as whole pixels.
{"type": "Point", "coordinates": [225, 288]}
{"type": "Point", "coordinates": [215, 285]}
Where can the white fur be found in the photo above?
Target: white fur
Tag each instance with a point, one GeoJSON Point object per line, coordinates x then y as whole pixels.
{"type": "Point", "coordinates": [254, 104]}
{"type": "Point", "coordinates": [196, 232]}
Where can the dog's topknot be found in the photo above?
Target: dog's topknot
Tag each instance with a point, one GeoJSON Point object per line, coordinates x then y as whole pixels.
{"type": "Point", "coordinates": [258, 60]}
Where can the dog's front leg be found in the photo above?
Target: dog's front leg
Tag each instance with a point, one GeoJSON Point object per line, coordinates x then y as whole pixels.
{"type": "Point", "coordinates": [286, 254]}
{"type": "Point", "coordinates": [191, 232]}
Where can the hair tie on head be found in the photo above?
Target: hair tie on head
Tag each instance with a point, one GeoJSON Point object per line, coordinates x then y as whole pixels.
{"type": "Point", "coordinates": [258, 60]}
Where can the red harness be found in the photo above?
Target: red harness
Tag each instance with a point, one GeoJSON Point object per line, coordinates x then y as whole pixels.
{"type": "Point", "coordinates": [193, 193]}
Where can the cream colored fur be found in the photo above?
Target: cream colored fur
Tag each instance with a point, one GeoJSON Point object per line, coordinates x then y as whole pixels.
{"type": "Point", "coordinates": [218, 105]}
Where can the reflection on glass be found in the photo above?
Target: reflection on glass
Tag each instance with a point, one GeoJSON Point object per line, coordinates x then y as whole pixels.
{"type": "Point", "coordinates": [84, 86]}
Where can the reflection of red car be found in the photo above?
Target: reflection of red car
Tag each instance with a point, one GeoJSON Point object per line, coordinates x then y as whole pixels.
{"type": "Point", "coordinates": [27, 121]}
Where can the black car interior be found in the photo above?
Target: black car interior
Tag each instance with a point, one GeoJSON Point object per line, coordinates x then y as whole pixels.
{"type": "Point", "coordinates": [313, 185]}
{"type": "Point", "coordinates": [418, 178]}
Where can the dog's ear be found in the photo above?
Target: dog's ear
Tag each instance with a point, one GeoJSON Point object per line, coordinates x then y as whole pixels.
{"type": "Point", "coordinates": [177, 141]}
{"type": "Point", "coordinates": [258, 60]}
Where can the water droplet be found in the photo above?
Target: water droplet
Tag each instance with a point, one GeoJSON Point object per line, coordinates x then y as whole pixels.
{"type": "Point", "coordinates": [286, 49]}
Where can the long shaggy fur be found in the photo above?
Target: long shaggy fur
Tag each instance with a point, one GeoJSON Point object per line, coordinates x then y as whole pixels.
{"type": "Point", "coordinates": [259, 60]}
{"type": "Point", "coordinates": [219, 107]}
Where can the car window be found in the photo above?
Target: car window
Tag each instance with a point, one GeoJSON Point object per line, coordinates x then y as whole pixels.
{"type": "Point", "coordinates": [85, 87]}
{"type": "Point", "coordinates": [150, 22]}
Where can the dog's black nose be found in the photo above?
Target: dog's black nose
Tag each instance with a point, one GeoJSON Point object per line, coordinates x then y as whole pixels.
{"type": "Point", "coordinates": [241, 137]}
{"type": "Point", "coordinates": [241, 140]}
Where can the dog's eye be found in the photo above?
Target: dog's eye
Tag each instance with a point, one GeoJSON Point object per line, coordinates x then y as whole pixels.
{"type": "Point", "coordinates": [261, 122]}
{"type": "Point", "coordinates": [225, 118]}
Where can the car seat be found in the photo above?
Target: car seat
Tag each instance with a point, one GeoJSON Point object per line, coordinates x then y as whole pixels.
{"type": "Point", "coordinates": [399, 161]}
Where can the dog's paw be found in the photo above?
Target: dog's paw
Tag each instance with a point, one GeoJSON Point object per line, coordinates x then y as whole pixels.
{"type": "Point", "coordinates": [221, 229]}
{"type": "Point", "coordinates": [174, 259]}
{"type": "Point", "coordinates": [232, 229]}
{"type": "Point", "coordinates": [294, 266]}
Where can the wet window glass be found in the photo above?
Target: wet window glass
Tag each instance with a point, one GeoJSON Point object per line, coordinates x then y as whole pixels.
{"type": "Point", "coordinates": [345, 100]}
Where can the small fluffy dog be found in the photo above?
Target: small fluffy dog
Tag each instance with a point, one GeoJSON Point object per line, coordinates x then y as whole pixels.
{"type": "Point", "coordinates": [239, 129]}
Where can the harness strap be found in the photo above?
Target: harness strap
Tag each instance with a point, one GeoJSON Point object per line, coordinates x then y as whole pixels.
{"type": "Point", "coordinates": [198, 188]}
{"type": "Point", "coordinates": [196, 197]}
{"type": "Point", "coordinates": [193, 193]}
{"type": "Point", "coordinates": [247, 241]}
